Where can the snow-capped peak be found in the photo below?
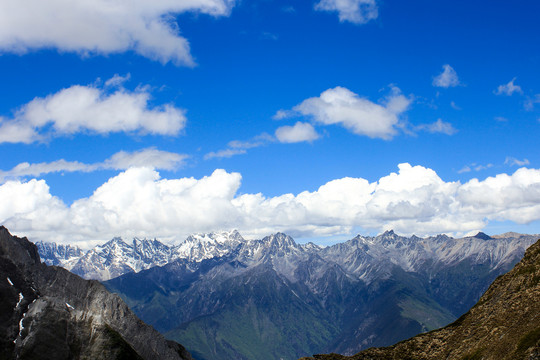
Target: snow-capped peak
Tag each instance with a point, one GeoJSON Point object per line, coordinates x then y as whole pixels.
{"type": "Point", "coordinates": [198, 247]}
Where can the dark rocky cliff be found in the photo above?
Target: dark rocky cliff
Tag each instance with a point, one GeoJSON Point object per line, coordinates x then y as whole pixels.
{"type": "Point", "coordinates": [47, 312]}
{"type": "Point", "coordinates": [504, 324]}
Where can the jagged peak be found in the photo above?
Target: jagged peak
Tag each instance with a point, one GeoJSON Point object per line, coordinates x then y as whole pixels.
{"type": "Point", "coordinates": [144, 241]}
{"type": "Point", "coordinates": [55, 245]}
{"type": "Point", "coordinates": [279, 237]}
{"type": "Point", "coordinates": [483, 236]}
{"type": "Point", "coordinates": [280, 240]}
{"type": "Point", "coordinates": [20, 250]}
{"type": "Point", "coordinates": [389, 236]}
{"type": "Point", "coordinates": [388, 233]}
{"type": "Point", "coordinates": [111, 245]}
{"type": "Point", "coordinates": [311, 246]}
{"type": "Point", "coordinates": [215, 236]}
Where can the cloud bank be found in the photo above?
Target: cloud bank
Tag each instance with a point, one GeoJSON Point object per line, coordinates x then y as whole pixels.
{"type": "Point", "coordinates": [103, 26]}
{"type": "Point", "coordinates": [138, 202]}
{"type": "Point", "coordinates": [92, 109]}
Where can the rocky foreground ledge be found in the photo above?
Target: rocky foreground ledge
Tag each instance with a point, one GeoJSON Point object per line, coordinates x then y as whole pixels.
{"type": "Point", "coordinates": [47, 312]}
{"type": "Point", "coordinates": [504, 324]}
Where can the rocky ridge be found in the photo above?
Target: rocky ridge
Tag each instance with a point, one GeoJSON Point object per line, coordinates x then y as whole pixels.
{"type": "Point", "coordinates": [368, 291]}
{"type": "Point", "coordinates": [117, 257]}
{"type": "Point", "coordinates": [367, 257]}
{"type": "Point", "coordinates": [46, 312]}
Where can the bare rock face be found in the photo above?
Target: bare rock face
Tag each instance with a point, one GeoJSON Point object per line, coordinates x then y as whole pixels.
{"type": "Point", "coordinates": [47, 312]}
{"type": "Point", "coordinates": [504, 324]}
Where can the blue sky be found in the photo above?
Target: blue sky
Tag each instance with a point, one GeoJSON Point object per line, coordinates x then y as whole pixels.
{"type": "Point", "coordinates": [185, 116]}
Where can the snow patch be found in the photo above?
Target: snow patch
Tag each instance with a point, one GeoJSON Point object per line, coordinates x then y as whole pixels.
{"type": "Point", "coordinates": [9, 281]}
{"type": "Point", "coordinates": [69, 306]}
{"type": "Point", "coordinates": [21, 326]}
{"type": "Point", "coordinates": [21, 297]}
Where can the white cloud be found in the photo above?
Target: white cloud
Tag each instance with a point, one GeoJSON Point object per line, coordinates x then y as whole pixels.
{"type": "Point", "coordinates": [475, 167]}
{"type": "Point", "coordinates": [237, 147]}
{"type": "Point", "coordinates": [102, 26]}
{"type": "Point", "coordinates": [150, 157]}
{"type": "Point", "coordinates": [508, 89]}
{"type": "Point", "coordinates": [355, 11]}
{"type": "Point", "coordinates": [513, 161]}
{"type": "Point", "coordinates": [38, 169]}
{"type": "Point", "coordinates": [138, 202]}
{"type": "Point", "coordinates": [448, 78]}
{"type": "Point", "coordinates": [340, 106]}
{"type": "Point", "coordinates": [438, 126]}
{"type": "Point", "coordinates": [225, 153]}
{"type": "Point", "coordinates": [283, 114]}
{"type": "Point", "coordinates": [93, 109]}
{"type": "Point", "coordinates": [300, 132]}
{"type": "Point", "coordinates": [17, 131]}
{"type": "Point", "coordinates": [465, 169]}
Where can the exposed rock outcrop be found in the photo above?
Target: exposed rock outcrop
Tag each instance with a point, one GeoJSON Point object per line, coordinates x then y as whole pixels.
{"type": "Point", "coordinates": [46, 312]}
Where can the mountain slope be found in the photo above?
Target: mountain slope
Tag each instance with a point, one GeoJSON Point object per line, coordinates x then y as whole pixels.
{"type": "Point", "coordinates": [47, 312]}
{"type": "Point", "coordinates": [504, 324]}
{"type": "Point", "coordinates": [368, 291]}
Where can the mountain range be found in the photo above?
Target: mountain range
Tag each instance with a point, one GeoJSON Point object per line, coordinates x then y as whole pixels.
{"type": "Point", "coordinates": [116, 257]}
{"type": "Point", "coordinates": [46, 312]}
{"type": "Point", "coordinates": [225, 297]}
{"type": "Point", "coordinates": [503, 325]}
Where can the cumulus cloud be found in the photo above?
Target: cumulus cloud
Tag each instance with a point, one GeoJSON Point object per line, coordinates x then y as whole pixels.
{"type": "Point", "coordinates": [354, 11]}
{"type": "Point", "coordinates": [102, 26]}
{"type": "Point", "coordinates": [448, 78]}
{"type": "Point", "coordinates": [438, 126]}
{"type": "Point", "coordinates": [138, 202]}
{"type": "Point", "coordinates": [94, 109]}
{"type": "Point", "coordinates": [299, 132]}
{"type": "Point", "coordinates": [150, 157]}
{"type": "Point", "coordinates": [340, 106]}
{"type": "Point", "coordinates": [508, 89]}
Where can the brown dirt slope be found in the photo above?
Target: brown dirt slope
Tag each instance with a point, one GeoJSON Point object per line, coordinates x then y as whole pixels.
{"type": "Point", "coordinates": [504, 324]}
